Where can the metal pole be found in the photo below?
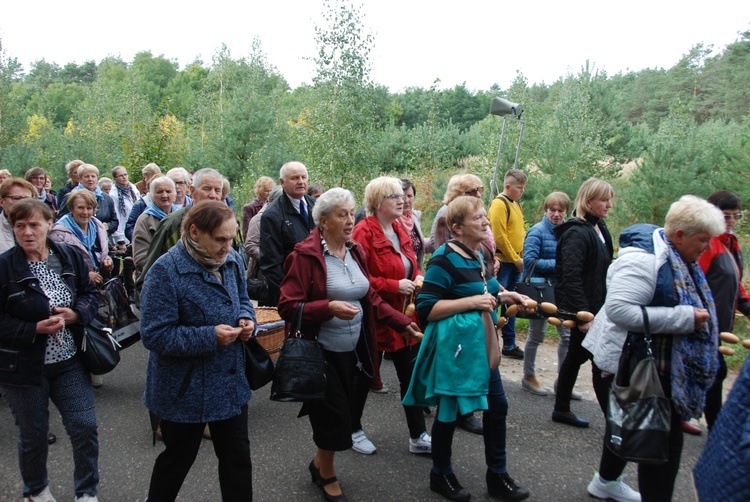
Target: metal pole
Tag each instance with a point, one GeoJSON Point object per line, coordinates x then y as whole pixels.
{"type": "Point", "coordinates": [493, 183]}
{"type": "Point", "coordinates": [518, 147]}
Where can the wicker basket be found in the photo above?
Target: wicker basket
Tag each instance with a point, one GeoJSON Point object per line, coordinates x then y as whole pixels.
{"type": "Point", "coordinates": [270, 333]}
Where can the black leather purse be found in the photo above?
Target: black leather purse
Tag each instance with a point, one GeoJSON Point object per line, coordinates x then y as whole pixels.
{"type": "Point", "coordinates": [638, 414]}
{"type": "Point", "coordinates": [542, 291]}
{"type": "Point", "coordinates": [99, 351]}
{"type": "Point", "coordinates": [258, 365]}
{"type": "Point", "coordinates": [300, 374]}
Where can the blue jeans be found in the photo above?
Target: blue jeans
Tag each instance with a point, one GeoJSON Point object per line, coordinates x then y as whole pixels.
{"type": "Point", "coordinates": [508, 277]}
{"type": "Point", "coordinates": [494, 433]}
{"type": "Point", "coordinates": [68, 385]}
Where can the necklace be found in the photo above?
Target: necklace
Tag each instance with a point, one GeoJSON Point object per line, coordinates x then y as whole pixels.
{"type": "Point", "coordinates": [476, 257]}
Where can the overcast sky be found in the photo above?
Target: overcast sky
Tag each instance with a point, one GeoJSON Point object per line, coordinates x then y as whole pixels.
{"type": "Point", "coordinates": [479, 42]}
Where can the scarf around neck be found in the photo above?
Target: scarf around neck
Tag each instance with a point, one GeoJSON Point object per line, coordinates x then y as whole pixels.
{"type": "Point", "coordinates": [201, 257]}
{"type": "Point", "coordinates": [407, 220]}
{"type": "Point", "coordinates": [694, 361]}
{"type": "Point", "coordinates": [122, 193]}
{"type": "Point", "coordinates": [88, 239]}
{"type": "Point", "coordinates": [154, 210]}
{"type": "Point", "coordinates": [97, 193]}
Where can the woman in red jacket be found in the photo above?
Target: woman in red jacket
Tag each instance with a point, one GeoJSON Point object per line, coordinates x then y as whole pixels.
{"type": "Point", "coordinates": [722, 264]}
{"type": "Point", "coordinates": [328, 273]}
{"type": "Point", "coordinates": [393, 267]}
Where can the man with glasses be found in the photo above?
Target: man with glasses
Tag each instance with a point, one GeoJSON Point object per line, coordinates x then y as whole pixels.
{"type": "Point", "coordinates": [11, 191]}
{"type": "Point", "coordinates": [506, 221]}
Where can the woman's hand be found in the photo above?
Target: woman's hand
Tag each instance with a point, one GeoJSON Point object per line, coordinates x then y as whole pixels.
{"type": "Point", "coordinates": [248, 326]}
{"type": "Point", "coordinates": [226, 334]}
{"type": "Point", "coordinates": [405, 287]}
{"type": "Point", "coordinates": [485, 302]}
{"type": "Point", "coordinates": [701, 316]}
{"type": "Point", "coordinates": [497, 265]}
{"type": "Point", "coordinates": [412, 331]}
{"type": "Point", "coordinates": [585, 327]}
{"type": "Point", "coordinates": [97, 278]}
{"type": "Point", "coordinates": [69, 316]}
{"type": "Point", "coordinates": [342, 310]}
{"type": "Point", "coordinates": [50, 326]}
{"type": "Point", "coordinates": [513, 298]}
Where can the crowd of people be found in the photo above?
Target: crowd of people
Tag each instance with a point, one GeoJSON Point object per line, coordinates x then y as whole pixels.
{"type": "Point", "coordinates": [192, 266]}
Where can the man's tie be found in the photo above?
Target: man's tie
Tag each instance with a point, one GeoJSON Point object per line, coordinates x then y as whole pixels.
{"type": "Point", "coordinates": [303, 212]}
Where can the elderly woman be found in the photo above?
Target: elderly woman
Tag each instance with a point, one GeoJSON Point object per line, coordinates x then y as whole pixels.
{"type": "Point", "coordinates": [393, 267]}
{"type": "Point", "coordinates": [4, 175]}
{"type": "Point", "coordinates": [457, 366]}
{"type": "Point", "coordinates": [458, 185]}
{"type": "Point", "coordinates": [38, 177]}
{"type": "Point", "coordinates": [80, 229]}
{"type": "Point", "coordinates": [723, 265]}
{"type": "Point", "coordinates": [262, 190]}
{"type": "Point", "coordinates": [327, 272]}
{"type": "Point", "coordinates": [181, 178]}
{"type": "Point", "coordinates": [539, 249]}
{"type": "Point", "coordinates": [411, 220]}
{"type": "Point", "coordinates": [11, 192]}
{"type": "Point", "coordinates": [88, 176]}
{"type": "Point", "coordinates": [657, 269]}
{"type": "Point", "coordinates": [162, 202]}
{"type": "Point", "coordinates": [46, 298]}
{"type": "Point", "coordinates": [194, 315]}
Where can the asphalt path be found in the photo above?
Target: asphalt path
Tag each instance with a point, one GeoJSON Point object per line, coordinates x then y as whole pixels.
{"type": "Point", "coordinates": [555, 462]}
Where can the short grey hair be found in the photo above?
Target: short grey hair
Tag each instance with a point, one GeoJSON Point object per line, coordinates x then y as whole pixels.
{"type": "Point", "coordinates": [179, 174]}
{"type": "Point", "coordinates": [329, 201]}
{"type": "Point", "coordinates": [693, 214]}
{"type": "Point", "coordinates": [277, 190]}
{"type": "Point", "coordinates": [282, 171]}
{"type": "Point", "coordinates": [206, 172]}
{"type": "Point", "coordinates": [150, 169]}
{"type": "Point", "coordinates": [158, 181]}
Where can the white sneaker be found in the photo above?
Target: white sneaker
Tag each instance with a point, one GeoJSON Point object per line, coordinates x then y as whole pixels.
{"type": "Point", "coordinates": [361, 444]}
{"type": "Point", "coordinates": [615, 490]}
{"type": "Point", "coordinates": [423, 444]}
{"type": "Point", "coordinates": [87, 498]}
{"type": "Point", "coordinates": [43, 496]}
{"type": "Point", "coordinates": [96, 380]}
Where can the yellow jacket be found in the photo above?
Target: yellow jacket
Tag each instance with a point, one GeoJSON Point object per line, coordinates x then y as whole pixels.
{"type": "Point", "coordinates": [508, 229]}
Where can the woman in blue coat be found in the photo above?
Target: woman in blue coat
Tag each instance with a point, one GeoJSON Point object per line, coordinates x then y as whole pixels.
{"type": "Point", "coordinates": [195, 315]}
{"type": "Point", "coordinates": [539, 250]}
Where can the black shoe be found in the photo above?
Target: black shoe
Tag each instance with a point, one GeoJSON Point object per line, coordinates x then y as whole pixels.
{"type": "Point", "coordinates": [322, 482]}
{"type": "Point", "coordinates": [569, 418]}
{"type": "Point", "coordinates": [471, 423]}
{"type": "Point", "coordinates": [51, 438]}
{"type": "Point", "coordinates": [503, 486]}
{"type": "Point", "coordinates": [514, 352]}
{"type": "Point", "coordinates": [448, 486]}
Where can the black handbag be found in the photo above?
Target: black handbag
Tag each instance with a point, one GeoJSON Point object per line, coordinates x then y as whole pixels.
{"type": "Point", "coordinates": [300, 374]}
{"type": "Point", "coordinates": [258, 365]}
{"type": "Point", "coordinates": [99, 350]}
{"type": "Point", "coordinates": [541, 291]}
{"type": "Point", "coordinates": [115, 313]}
{"type": "Point", "coordinates": [638, 414]}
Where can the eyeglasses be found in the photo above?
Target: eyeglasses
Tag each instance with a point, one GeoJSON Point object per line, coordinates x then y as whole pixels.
{"type": "Point", "coordinates": [123, 175]}
{"type": "Point", "coordinates": [16, 198]}
{"type": "Point", "coordinates": [736, 216]}
{"type": "Point", "coordinates": [396, 196]}
{"type": "Point", "coordinates": [474, 191]}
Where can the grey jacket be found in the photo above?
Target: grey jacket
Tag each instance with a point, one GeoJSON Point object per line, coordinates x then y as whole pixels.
{"type": "Point", "coordinates": [631, 282]}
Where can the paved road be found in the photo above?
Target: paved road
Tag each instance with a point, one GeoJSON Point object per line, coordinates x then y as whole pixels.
{"type": "Point", "coordinates": [555, 462]}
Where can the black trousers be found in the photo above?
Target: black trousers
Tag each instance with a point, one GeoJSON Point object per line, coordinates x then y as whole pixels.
{"type": "Point", "coordinates": [403, 362]}
{"type": "Point", "coordinates": [182, 441]}
{"type": "Point", "coordinates": [714, 395]}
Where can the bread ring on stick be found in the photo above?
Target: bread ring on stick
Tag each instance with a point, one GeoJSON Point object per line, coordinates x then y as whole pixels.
{"type": "Point", "coordinates": [746, 344]}
{"type": "Point", "coordinates": [727, 351]}
{"type": "Point", "coordinates": [554, 321]}
{"type": "Point", "coordinates": [511, 311]}
{"type": "Point", "coordinates": [569, 323]}
{"type": "Point", "coordinates": [729, 337]}
{"type": "Point", "coordinates": [585, 316]}
{"type": "Point", "coordinates": [549, 308]}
